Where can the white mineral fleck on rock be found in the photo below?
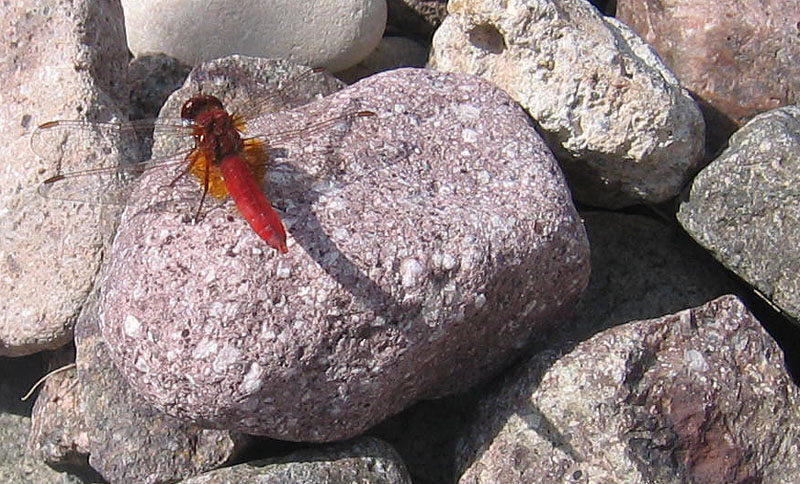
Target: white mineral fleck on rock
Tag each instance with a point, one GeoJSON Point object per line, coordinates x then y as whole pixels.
{"type": "Point", "coordinates": [226, 356]}
{"type": "Point", "coordinates": [204, 348]}
{"type": "Point", "coordinates": [251, 382]}
{"type": "Point", "coordinates": [284, 270]}
{"type": "Point", "coordinates": [448, 262]}
{"type": "Point", "coordinates": [410, 270]}
{"type": "Point", "coordinates": [468, 112]}
{"type": "Point", "coordinates": [695, 360]}
{"type": "Point", "coordinates": [141, 364]}
{"type": "Point", "coordinates": [132, 327]}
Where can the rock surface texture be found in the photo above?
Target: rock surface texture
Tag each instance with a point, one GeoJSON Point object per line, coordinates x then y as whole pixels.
{"type": "Point", "coordinates": [739, 57]}
{"type": "Point", "coordinates": [623, 129]}
{"type": "Point", "coordinates": [366, 460]}
{"type": "Point", "coordinates": [334, 34]}
{"type": "Point", "coordinates": [49, 250]}
{"type": "Point", "coordinates": [745, 207]}
{"type": "Point", "coordinates": [129, 440]}
{"type": "Point", "coordinates": [427, 244]}
{"type": "Point", "coordinates": [699, 396]}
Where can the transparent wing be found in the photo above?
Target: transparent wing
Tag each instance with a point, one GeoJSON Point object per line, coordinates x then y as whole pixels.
{"type": "Point", "coordinates": [294, 92]}
{"type": "Point", "coordinates": [96, 162]}
{"type": "Point", "coordinates": [342, 122]}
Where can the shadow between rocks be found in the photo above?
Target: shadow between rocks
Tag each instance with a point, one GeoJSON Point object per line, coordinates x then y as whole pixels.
{"type": "Point", "coordinates": [17, 376]}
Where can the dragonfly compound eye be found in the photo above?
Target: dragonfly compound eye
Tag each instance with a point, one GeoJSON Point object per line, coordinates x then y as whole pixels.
{"type": "Point", "coordinates": [199, 104]}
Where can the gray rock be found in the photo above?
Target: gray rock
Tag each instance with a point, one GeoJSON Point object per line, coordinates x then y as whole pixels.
{"type": "Point", "coordinates": [745, 207]}
{"type": "Point", "coordinates": [366, 460]}
{"type": "Point", "coordinates": [623, 129]}
{"type": "Point", "coordinates": [699, 396]}
{"type": "Point", "coordinates": [427, 244]}
{"type": "Point", "coordinates": [15, 465]}
{"type": "Point", "coordinates": [129, 441]}
{"type": "Point", "coordinates": [50, 251]}
{"type": "Point", "coordinates": [58, 434]}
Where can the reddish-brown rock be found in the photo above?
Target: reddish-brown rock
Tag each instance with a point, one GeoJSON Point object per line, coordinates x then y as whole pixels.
{"type": "Point", "coordinates": [697, 396]}
{"type": "Point", "coordinates": [739, 57]}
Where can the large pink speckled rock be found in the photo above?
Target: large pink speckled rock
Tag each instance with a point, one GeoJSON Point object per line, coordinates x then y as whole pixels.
{"type": "Point", "coordinates": [426, 245]}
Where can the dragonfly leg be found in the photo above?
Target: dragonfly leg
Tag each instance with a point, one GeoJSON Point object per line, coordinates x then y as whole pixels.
{"type": "Point", "coordinates": [206, 182]}
{"type": "Point", "coordinates": [180, 175]}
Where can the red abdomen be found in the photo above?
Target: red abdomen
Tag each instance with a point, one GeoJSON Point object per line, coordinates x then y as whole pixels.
{"type": "Point", "coordinates": [252, 202]}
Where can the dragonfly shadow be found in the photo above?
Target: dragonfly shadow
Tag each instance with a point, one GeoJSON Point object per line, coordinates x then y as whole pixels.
{"type": "Point", "coordinates": [314, 238]}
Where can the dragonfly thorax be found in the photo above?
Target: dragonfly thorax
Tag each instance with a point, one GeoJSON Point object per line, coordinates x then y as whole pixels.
{"type": "Point", "coordinates": [216, 134]}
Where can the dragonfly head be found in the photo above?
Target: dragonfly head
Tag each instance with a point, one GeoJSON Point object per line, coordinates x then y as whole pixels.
{"type": "Point", "coordinates": [199, 104]}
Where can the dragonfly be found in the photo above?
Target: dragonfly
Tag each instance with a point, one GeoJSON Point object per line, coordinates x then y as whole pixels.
{"type": "Point", "coordinates": [224, 158]}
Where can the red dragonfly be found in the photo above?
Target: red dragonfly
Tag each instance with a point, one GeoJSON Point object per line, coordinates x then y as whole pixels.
{"type": "Point", "coordinates": [222, 159]}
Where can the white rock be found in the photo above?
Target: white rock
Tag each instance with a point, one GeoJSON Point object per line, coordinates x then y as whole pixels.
{"type": "Point", "coordinates": [335, 34]}
{"type": "Point", "coordinates": [623, 129]}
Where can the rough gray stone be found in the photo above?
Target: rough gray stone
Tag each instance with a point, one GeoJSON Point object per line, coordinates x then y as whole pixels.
{"type": "Point", "coordinates": [58, 434]}
{"type": "Point", "coordinates": [60, 59]}
{"type": "Point", "coordinates": [15, 465]}
{"type": "Point", "coordinates": [129, 441]}
{"type": "Point", "coordinates": [739, 57]}
{"type": "Point", "coordinates": [745, 207]}
{"type": "Point", "coordinates": [623, 129]}
{"type": "Point", "coordinates": [699, 396]}
{"type": "Point", "coordinates": [366, 460]}
{"type": "Point", "coordinates": [427, 244]}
